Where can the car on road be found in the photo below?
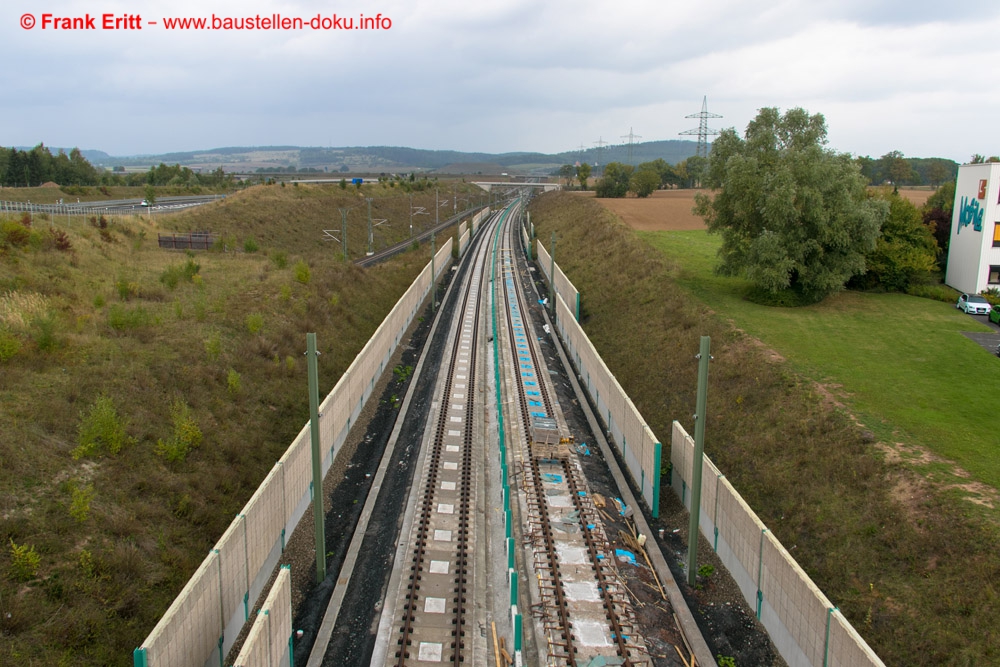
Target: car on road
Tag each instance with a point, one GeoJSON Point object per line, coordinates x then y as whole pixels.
{"type": "Point", "coordinates": [995, 314]}
{"type": "Point", "coordinates": [145, 202]}
{"type": "Point", "coordinates": [973, 304]}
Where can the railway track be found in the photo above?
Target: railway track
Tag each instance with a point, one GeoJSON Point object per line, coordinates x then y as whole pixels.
{"type": "Point", "coordinates": [431, 610]}
{"type": "Point", "coordinates": [449, 585]}
{"type": "Point", "coordinates": [583, 610]}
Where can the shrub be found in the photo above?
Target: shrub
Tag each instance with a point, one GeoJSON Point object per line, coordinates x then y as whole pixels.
{"type": "Point", "coordinates": [126, 288]}
{"type": "Point", "coordinates": [255, 323]}
{"type": "Point", "coordinates": [213, 346]}
{"type": "Point", "coordinates": [250, 245]}
{"type": "Point", "coordinates": [121, 318]}
{"type": "Point", "coordinates": [186, 435]}
{"type": "Point", "coordinates": [24, 561]}
{"type": "Point", "coordinates": [60, 240]}
{"type": "Point", "coordinates": [10, 345]}
{"type": "Point", "coordinates": [101, 428]}
{"type": "Point", "coordinates": [233, 381]}
{"type": "Point", "coordinates": [280, 259]}
{"type": "Point", "coordinates": [79, 507]}
{"type": "Point", "coordinates": [44, 332]}
{"type": "Point", "coordinates": [14, 235]}
{"type": "Point", "coordinates": [302, 273]}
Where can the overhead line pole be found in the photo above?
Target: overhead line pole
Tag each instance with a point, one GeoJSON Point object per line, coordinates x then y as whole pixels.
{"type": "Point", "coordinates": [701, 406]}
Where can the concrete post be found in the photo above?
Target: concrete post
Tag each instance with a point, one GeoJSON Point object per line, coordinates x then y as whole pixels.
{"type": "Point", "coordinates": [699, 448]}
{"type": "Point", "coordinates": [317, 461]}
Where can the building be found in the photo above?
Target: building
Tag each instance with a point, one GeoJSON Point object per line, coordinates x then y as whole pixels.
{"type": "Point", "coordinates": [974, 248]}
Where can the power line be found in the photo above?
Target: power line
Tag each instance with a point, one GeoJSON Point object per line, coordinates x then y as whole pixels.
{"type": "Point", "coordinates": [703, 130]}
{"type": "Point", "coordinates": [631, 137]}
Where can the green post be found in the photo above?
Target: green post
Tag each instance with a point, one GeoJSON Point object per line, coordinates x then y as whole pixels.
{"type": "Point", "coordinates": [552, 275]}
{"type": "Point", "coordinates": [371, 234]}
{"type": "Point", "coordinates": [343, 229]}
{"type": "Point", "coordinates": [139, 658]}
{"type": "Point", "coordinates": [317, 463]}
{"type": "Point", "coordinates": [699, 448]}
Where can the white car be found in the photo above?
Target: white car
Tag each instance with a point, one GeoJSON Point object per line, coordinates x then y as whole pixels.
{"type": "Point", "coordinates": [973, 304]}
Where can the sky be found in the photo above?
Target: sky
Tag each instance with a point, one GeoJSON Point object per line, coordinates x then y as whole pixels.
{"type": "Point", "coordinates": [915, 76]}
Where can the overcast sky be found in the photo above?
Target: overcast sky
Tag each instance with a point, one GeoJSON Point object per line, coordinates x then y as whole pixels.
{"type": "Point", "coordinates": [917, 76]}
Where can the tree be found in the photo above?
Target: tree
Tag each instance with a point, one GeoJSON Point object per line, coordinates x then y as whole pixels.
{"type": "Point", "coordinates": [615, 182]}
{"type": "Point", "coordinates": [149, 194]}
{"type": "Point", "coordinates": [896, 168]}
{"type": "Point", "coordinates": [937, 217]}
{"type": "Point", "coordinates": [644, 182]}
{"type": "Point", "coordinates": [792, 213]}
{"type": "Point", "coordinates": [567, 171]}
{"type": "Point", "coordinates": [582, 174]}
{"type": "Point", "coordinates": [937, 173]}
{"type": "Point", "coordinates": [905, 248]}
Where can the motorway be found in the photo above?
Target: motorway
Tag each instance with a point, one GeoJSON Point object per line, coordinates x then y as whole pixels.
{"type": "Point", "coordinates": [110, 206]}
{"type": "Point", "coordinates": [500, 546]}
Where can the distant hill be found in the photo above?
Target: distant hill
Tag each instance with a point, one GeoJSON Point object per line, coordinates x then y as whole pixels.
{"type": "Point", "coordinates": [394, 158]}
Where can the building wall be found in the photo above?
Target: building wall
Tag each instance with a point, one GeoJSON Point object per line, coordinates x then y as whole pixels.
{"type": "Point", "coordinates": [975, 226]}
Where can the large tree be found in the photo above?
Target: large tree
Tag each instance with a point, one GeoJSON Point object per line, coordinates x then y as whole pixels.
{"type": "Point", "coordinates": [792, 213]}
{"type": "Point", "coordinates": [582, 174]}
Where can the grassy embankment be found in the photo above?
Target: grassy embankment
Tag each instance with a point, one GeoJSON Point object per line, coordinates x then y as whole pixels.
{"type": "Point", "coordinates": [96, 547]}
{"type": "Point", "coordinates": [913, 569]}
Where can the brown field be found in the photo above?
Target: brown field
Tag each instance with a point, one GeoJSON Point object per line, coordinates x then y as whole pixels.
{"type": "Point", "coordinates": [670, 210]}
{"type": "Point", "coordinates": [917, 196]}
{"type": "Point", "coordinates": [665, 210]}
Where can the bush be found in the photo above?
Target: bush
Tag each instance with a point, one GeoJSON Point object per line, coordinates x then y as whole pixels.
{"type": "Point", "coordinates": [14, 235]}
{"type": "Point", "coordinates": [302, 273]}
{"type": "Point", "coordinates": [173, 274]}
{"type": "Point", "coordinates": [186, 435]}
{"type": "Point", "coordinates": [233, 383]}
{"type": "Point", "coordinates": [121, 318]}
{"type": "Point", "coordinates": [60, 240]}
{"type": "Point", "coordinates": [213, 346]}
{"type": "Point", "coordinates": [10, 345]}
{"type": "Point", "coordinates": [250, 245]}
{"type": "Point", "coordinates": [79, 507]}
{"type": "Point", "coordinates": [44, 333]}
{"type": "Point", "coordinates": [101, 428]}
{"type": "Point", "coordinates": [280, 259]}
{"type": "Point", "coordinates": [255, 323]}
{"type": "Point", "coordinates": [24, 561]}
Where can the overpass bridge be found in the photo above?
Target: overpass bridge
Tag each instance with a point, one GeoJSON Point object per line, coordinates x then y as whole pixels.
{"type": "Point", "coordinates": [489, 185]}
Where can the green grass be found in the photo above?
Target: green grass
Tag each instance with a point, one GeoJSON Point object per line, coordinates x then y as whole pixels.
{"type": "Point", "coordinates": [899, 362]}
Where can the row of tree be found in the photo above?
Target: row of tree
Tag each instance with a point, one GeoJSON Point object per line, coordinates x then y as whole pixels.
{"type": "Point", "coordinates": [618, 179]}
{"type": "Point", "coordinates": [39, 165]}
{"type": "Point", "coordinates": [34, 167]}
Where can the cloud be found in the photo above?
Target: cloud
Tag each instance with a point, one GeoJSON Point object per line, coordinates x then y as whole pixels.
{"type": "Point", "coordinates": [515, 75]}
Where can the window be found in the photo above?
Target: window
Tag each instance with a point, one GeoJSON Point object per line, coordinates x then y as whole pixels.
{"type": "Point", "coordinates": [996, 234]}
{"type": "Point", "coordinates": [994, 278]}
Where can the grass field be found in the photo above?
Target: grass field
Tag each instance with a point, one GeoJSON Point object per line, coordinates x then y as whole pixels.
{"type": "Point", "coordinates": [877, 522]}
{"type": "Point", "coordinates": [899, 362]}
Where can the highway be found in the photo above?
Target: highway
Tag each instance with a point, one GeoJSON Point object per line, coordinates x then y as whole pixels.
{"type": "Point", "coordinates": [110, 206]}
